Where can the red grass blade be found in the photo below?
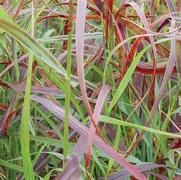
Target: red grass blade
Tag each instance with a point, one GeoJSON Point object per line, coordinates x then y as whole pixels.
{"type": "Point", "coordinates": [8, 114]}
{"type": "Point", "coordinates": [109, 4]}
{"type": "Point", "coordinates": [130, 56]}
{"type": "Point", "coordinates": [2, 107]}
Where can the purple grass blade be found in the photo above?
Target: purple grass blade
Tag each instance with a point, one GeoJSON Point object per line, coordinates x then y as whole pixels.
{"type": "Point", "coordinates": [79, 36]}
{"type": "Point", "coordinates": [97, 111]}
{"type": "Point", "coordinates": [80, 147]}
{"type": "Point", "coordinates": [37, 89]}
{"type": "Point", "coordinates": [158, 176]}
{"type": "Point", "coordinates": [142, 168]}
{"type": "Point", "coordinates": [170, 5]}
{"type": "Point", "coordinates": [71, 170]}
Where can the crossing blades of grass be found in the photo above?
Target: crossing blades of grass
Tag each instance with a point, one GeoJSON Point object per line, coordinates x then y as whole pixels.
{"type": "Point", "coordinates": [83, 130]}
{"type": "Point", "coordinates": [29, 42]}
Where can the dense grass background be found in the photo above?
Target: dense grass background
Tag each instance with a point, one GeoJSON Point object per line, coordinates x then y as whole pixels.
{"type": "Point", "coordinates": [90, 89]}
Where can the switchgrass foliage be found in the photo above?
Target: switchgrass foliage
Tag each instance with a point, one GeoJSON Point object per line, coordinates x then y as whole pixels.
{"type": "Point", "coordinates": [90, 89]}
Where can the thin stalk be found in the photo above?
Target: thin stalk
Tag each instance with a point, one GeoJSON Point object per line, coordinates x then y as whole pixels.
{"type": "Point", "coordinates": [68, 83]}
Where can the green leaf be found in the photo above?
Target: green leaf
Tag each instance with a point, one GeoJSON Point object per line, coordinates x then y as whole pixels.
{"type": "Point", "coordinates": [119, 122]}
{"type": "Point", "coordinates": [24, 127]}
{"type": "Point", "coordinates": [124, 82]}
{"type": "Point", "coordinates": [11, 166]}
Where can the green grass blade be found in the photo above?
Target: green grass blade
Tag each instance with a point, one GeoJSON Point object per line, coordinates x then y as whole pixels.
{"type": "Point", "coordinates": [24, 128]}
{"type": "Point", "coordinates": [47, 141]}
{"type": "Point", "coordinates": [126, 78]}
{"type": "Point", "coordinates": [68, 84]}
{"type": "Point", "coordinates": [116, 146]}
{"type": "Point", "coordinates": [119, 122]}
{"type": "Point", "coordinates": [11, 166]}
{"type": "Point", "coordinates": [25, 120]}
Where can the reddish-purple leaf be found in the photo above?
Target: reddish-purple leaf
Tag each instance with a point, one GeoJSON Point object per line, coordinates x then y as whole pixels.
{"type": "Point", "coordinates": [79, 36]}
{"type": "Point", "coordinates": [79, 40]}
{"type": "Point", "coordinates": [97, 111]}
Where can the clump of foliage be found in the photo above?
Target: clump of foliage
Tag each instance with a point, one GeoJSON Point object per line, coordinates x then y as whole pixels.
{"type": "Point", "coordinates": [90, 89]}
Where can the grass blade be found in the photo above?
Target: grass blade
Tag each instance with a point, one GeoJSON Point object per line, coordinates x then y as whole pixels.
{"type": "Point", "coordinates": [123, 84]}
{"type": "Point", "coordinates": [119, 122]}
{"type": "Point", "coordinates": [24, 127]}
{"type": "Point", "coordinates": [68, 82]}
{"type": "Point", "coordinates": [97, 111]}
